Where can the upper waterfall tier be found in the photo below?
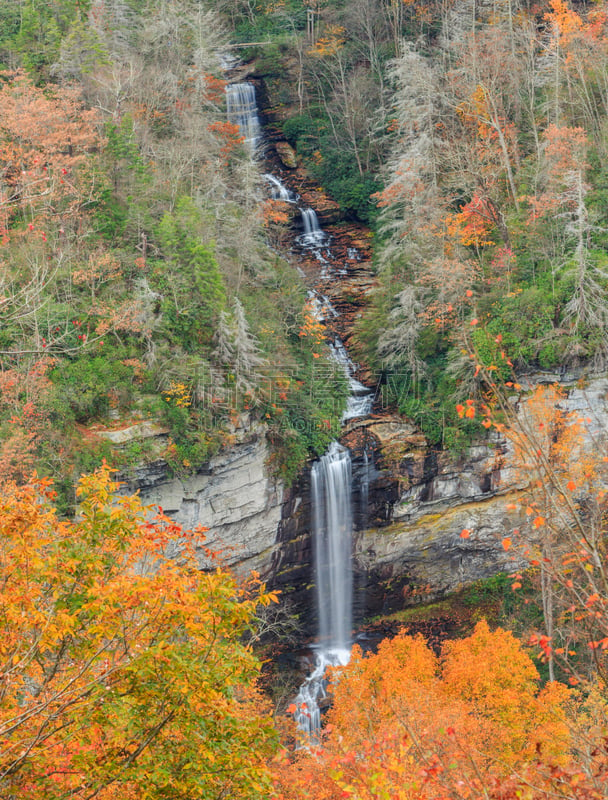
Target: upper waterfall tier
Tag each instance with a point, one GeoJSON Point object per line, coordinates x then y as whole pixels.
{"type": "Point", "coordinates": [243, 111]}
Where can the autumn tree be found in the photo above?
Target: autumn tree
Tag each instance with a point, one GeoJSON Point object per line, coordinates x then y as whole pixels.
{"type": "Point", "coordinates": [123, 672]}
{"type": "Point", "coordinates": [44, 140]}
{"type": "Point", "coordinates": [406, 723]}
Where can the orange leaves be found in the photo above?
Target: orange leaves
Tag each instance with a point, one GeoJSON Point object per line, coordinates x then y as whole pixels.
{"type": "Point", "coordinates": [400, 716]}
{"type": "Point", "coordinates": [538, 522]}
{"type": "Point", "coordinates": [467, 411]}
{"type": "Point", "coordinates": [330, 43]}
{"type": "Point", "coordinates": [474, 223]}
{"type": "Point", "coordinates": [506, 543]}
{"type": "Point", "coordinates": [142, 650]}
{"type": "Point", "coordinates": [214, 88]}
{"type": "Point", "coordinates": [229, 136]}
{"type": "Point", "coordinates": [312, 328]}
{"type": "Point", "coordinates": [274, 212]}
{"type": "Point", "coordinates": [45, 137]}
{"type": "Point", "coordinates": [465, 533]}
{"type": "Point", "coordinates": [567, 21]}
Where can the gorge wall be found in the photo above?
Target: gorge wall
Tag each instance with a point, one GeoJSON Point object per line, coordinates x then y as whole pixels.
{"type": "Point", "coordinates": [410, 507]}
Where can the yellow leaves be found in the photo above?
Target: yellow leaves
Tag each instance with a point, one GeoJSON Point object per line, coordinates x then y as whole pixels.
{"type": "Point", "coordinates": [330, 43]}
{"type": "Point", "coordinates": [178, 394]}
{"type": "Point", "coordinates": [113, 636]}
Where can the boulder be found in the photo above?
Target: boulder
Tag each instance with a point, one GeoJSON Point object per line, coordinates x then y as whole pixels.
{"type": "Point", "coordinates": [287, 155]}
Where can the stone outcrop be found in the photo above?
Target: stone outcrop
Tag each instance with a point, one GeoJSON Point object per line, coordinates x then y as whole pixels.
{"type": "Point", "coordinates": [410, 561]}
{"type": "Point", "coordinates": [287, 155]}
{"type": "Point", "coordinates": [411, 504]}
{"type": "Point", "coordinates": [421, 553]}
{"type": "Point", "coordinates": [232, 495]}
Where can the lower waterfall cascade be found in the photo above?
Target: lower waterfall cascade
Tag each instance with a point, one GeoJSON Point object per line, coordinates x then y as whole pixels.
{"type": "Point", "coordinates": [331, 500]}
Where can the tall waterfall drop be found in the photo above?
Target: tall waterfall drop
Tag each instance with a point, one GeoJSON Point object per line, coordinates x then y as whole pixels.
{"type": "Point", "coordinates": [332, 532]}
{"type": "Point", "coordinates": [243, 111]}
{"type": "Point", "coordinates": [331, 475]}
{"type": "Point", "coordinates": [331, 501]}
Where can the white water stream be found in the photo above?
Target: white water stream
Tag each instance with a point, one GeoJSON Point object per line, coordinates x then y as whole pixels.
{"type": "Point", "coordinates": [331, 475]}
{"type": "Point", "coordinates": [243, 111]}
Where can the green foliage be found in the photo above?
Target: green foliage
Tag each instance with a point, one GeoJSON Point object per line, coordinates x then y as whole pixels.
{"type": "Point", "coordinates": [306, 417]}
{"type": "Point", "coordinates": [270, 20]}
{"type": "Point", "coordinates": [301, 131]}
{"type": "Point", "coordinates": [193, 287]}
{"type": "Point", "coordinates": [42, 25]}
{"type": "Point", "coordinates": [332, 166]}
{"type": "Point", "coordinates": [90, 386]}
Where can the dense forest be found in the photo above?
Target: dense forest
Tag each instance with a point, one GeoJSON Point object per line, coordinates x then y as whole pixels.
{"type": "Point", "coordinates": [146, 286]}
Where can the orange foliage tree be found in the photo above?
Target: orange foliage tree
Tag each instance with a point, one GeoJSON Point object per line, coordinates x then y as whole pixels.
{"type": "Point", "coordinates": [44, 137]}
{"type": "Point", "coordinates": [122, 671]}
{"type": "Point", "coordinates": [406, 724]}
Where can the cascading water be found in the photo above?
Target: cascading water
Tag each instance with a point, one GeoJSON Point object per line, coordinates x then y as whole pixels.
{"type": "Point", "coordinates": [243, 111]}
{"type": "Point", "coordinates": [331, 475]}
{"type": "Point", "coordinates": [331, 503]}
{"type": "Point", "coordinates": [278, 191]}
{"type": "Point", "coordinates": [313, 235]}
{"type": "Point", "coordinates": [360, 399]}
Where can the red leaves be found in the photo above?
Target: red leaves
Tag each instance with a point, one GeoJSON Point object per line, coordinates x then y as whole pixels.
{"type": "Point", "coordinates": [467, 411]}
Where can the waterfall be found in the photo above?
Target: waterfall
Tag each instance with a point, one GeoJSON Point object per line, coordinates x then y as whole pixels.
{"type": "Point", "coordinates": [243, 111]}
{"type": "Point", "coordinates": [278, 191]}
{"type": "Point", "coordinates": [331, 501]}
{"type": "Point", "coordinates": [331, 475]}
{"type": "Point", "coordinates": [331, 489]}
{"type": "Point", "coordinates": [313, 236]}
{"type": "Point", "coordinates": [360, 398]}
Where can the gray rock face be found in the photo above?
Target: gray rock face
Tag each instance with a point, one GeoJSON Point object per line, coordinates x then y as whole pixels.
{"type": "Point", "coordinates": [232, 496]}
{"type": "Point", "coordinates": [408, 519]}
{"type": "Point", "coordinates": [421, 553]}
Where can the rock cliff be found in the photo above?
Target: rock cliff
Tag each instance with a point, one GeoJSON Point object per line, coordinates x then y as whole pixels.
{"type": "Point", "coordinates": [232, 496]}
{"type": "Point", "coordinates": [411, 505]}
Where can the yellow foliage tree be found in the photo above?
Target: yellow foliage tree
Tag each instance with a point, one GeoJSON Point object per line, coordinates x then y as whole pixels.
{"type": "Point", "coordinates": [122, 671]}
